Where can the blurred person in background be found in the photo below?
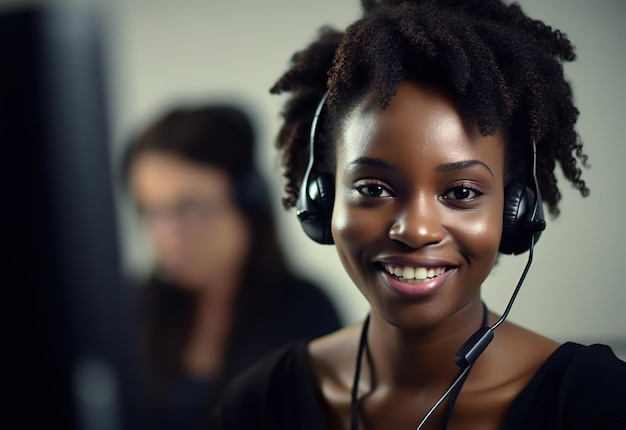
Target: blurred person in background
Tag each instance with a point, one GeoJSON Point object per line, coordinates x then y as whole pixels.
{"type": "Point", "coordinates": [222, 294]}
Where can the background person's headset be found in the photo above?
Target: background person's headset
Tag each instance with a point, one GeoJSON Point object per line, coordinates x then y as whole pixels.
{"type": "Point", "coordinates": [522, 216]}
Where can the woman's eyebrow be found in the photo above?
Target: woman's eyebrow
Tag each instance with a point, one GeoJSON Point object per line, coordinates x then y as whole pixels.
{"type": "Point", "coordinates": [374, 162]}
{"type": "Point", "coordinates": [457, 165]}
{"type": "Point", "coordinates": [460, 165]}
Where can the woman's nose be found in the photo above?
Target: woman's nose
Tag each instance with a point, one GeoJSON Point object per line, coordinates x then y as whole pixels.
{"type": "Point", "coordinates": [418, 224]}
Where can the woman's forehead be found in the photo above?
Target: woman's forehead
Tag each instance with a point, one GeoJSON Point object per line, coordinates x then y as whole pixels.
{"type": "Point", "coordinates": [418, 119]}
{"type": "Point", "coordinates": [416, 108]}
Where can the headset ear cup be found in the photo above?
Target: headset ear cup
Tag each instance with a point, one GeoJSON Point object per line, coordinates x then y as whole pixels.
{"type": "Point", "coordinates": [317, 193]}
{"type": "Point", "coordinates": [518, 223]}
{"type": "Point", "coordinates": [326, 187]}
{"type": "Point", "coordinates": [315, 207]}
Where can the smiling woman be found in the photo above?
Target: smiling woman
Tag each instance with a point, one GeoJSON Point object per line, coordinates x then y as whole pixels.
{"type": "Point", "coordinates": [422, 142]}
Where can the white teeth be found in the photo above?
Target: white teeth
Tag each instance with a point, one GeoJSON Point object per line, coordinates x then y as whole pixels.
{"type": "Point", "coordinates": [414, 273]}
{"type": "Point", "coordinates": [420, 273]}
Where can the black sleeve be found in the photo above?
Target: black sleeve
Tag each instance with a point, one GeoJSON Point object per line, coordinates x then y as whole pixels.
{"type": "Point", "coordinates": [578, 388]}
{"type": "Point", "coordinates": [596, 392]}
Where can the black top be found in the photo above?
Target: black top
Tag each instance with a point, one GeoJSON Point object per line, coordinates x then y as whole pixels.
{"type": "Point", "coordinates": [578, 387]}
{"type": "Point", "coordinates": [299, 312]}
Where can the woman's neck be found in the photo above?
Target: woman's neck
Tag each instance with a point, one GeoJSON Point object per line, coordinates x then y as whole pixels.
{"type": "Point", "coordinates": [398, 357]}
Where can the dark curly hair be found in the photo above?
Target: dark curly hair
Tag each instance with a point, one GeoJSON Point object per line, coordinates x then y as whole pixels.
{"type": "Point", "coordinates": [504, 69]}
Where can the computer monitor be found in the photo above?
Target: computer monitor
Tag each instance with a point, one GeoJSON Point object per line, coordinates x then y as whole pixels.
{"type": "Point", "coordinates": [68, 350]}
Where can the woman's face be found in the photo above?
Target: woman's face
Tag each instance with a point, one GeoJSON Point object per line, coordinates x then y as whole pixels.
{"type": "Point", "coordinates": [200, 237]}
{"type": "Point", "coordinates": [418, 209]}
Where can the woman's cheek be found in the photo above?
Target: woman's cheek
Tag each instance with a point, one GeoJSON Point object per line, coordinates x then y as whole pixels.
{"type": "Point", "coordinates": [481, 236]}
{"type": "Point", "coordinates": [349, 237]}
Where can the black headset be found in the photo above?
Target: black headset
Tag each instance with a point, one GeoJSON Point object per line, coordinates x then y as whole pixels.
{"type": "Point", "coordinates": [522, 215]}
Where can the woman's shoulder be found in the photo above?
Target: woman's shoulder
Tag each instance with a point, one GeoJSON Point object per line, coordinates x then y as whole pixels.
{"type": "Point", "coordinates": [326, 356]}
{"type": "Point", "coordinates": [587, 366]}
{"type": "Point", "coordinates": [511, 360]}
{"type": "Point", "coordinates": [281, 390]}
{"type": "Point", "coordinates": [337, 347]}
{"type": "Point", "coordinates": [544, 355]}
{"type": "Point", "coordinates": [332, 359]}
{"type": "Point", "coordinates": [578, 386]}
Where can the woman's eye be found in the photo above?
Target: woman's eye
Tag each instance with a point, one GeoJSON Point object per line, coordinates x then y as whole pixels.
{"type": "Point", "coordinates": [373, 190]}
{"type": "Point", "coordinates": [462, 193]}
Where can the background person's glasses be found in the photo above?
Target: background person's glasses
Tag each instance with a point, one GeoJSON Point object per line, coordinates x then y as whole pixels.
{"type": "Point", "coordinates": [187, 214]}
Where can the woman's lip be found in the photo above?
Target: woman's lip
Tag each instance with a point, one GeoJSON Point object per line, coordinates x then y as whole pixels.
{"type": "Point", "coordinates": [419, 289]}
{"type": "Point", "coordinates": [413, 262]}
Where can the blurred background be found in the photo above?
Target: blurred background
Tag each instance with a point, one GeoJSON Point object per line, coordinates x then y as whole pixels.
{"type": "Point", "coordinates": [158, 54]}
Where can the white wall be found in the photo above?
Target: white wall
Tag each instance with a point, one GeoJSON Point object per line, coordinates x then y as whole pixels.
{"type": "Point", "coordinates": [165, 52]}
